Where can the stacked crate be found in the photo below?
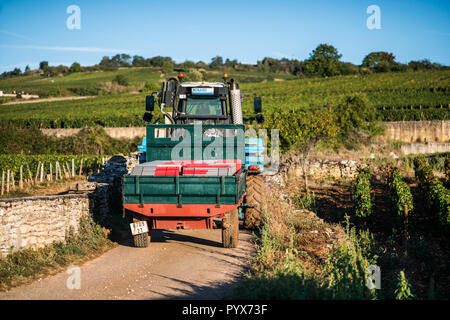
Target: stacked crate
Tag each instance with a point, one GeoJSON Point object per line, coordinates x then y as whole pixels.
{"type": "Point", "coordinates": [188, 168]}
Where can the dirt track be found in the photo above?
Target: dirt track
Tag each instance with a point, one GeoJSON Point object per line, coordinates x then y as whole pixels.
{"type": "Point", "coordinates": [186, 264]}
{"type": "Point", "coordinates": [47, 100]}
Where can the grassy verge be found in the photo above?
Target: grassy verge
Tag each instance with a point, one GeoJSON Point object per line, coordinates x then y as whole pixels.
{"type": "Point", "coordinates": [25, 265]}
{"type": "Point", "coordinates": [300, 256]}
{"type": "Point", "coordinates": [44, 188]}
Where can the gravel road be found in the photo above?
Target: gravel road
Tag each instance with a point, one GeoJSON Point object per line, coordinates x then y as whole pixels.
{"type": "Point", "coordinates": [185, 264]}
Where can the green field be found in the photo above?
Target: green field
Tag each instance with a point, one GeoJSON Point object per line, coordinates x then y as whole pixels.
{"type": "Point", "coordinates": [398, 96]}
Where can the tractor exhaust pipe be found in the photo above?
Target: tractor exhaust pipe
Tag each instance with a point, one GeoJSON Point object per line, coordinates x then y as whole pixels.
{"type": "Point", "coordinates": [235, 99]}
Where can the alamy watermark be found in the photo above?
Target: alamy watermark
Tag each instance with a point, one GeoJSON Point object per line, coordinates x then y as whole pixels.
{"type": "Point", "coordinates": [73, 282]}
{"type": "Point", "coordinates": [373, 280]}
{"type": "Point", "coordinates": [74, 20]}
{"type": "Point", "coordinates": [374, 20]}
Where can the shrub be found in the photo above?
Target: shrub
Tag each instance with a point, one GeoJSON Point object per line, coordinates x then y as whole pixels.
{"type": "Point", "coordinates": [361, 196]}
{"type": "Point", "coordinates": [403, 289]}
{"type": "Point", "coordinates": [121, 80]}
{"type": "Point", "coordinates": [401, 195]}
{"type": "Point", "coordinates": [437, 196]}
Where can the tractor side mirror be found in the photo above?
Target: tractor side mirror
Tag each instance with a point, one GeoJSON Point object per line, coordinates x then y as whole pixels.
{"type": "Point", "coordinates": [147, 117]}
{"type": "Point", "coordinates": [257, 105]}
{"type": "Point", "coordinates": [149, 103]}
{"type": "Point", "coordinates": [259, 118]}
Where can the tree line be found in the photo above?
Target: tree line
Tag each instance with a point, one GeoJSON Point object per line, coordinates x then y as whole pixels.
{"type": "Point", "coordinates": [323, 61]}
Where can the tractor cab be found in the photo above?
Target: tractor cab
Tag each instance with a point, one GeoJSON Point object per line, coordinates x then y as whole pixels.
{"type": "Point", "coordinates": [202, 101]}
{"type": "Point", "coordinates": [206, 103]}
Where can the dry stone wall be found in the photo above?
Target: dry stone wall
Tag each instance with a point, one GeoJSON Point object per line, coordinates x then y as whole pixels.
{"type": "Point", "coordinates": [34, 222]}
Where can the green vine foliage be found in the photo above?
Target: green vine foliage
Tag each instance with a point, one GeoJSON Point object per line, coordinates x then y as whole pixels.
{"type": "Point", "coordinates": [403, 290]}
{"type": "Point", "coordinates": [401, 195]}
{"type": "Point", "coordinates": [447, 172]}
{"type": "Point", "coordinates": [437, 196]}
{"type": "Point", "coordinates": [362, 198]}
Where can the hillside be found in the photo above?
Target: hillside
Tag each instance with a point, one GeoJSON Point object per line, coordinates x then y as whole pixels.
{"type": "Point", "coordinates": [398, 96]}
{"type": "Point", "coordinates": [92, 83]}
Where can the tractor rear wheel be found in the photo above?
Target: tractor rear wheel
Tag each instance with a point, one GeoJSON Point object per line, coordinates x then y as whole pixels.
{"type": "Point", "coordinates": [253, 213]}
{"type": "Point", "coordinates": [230, 229]}
{"type": "Point", "coordinates": [141, 240]}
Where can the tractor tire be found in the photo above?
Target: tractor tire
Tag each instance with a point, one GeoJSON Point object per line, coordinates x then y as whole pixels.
{"type": "Point", "coordinates": [253, 213]}
{"type": "Point", "coordinates": [141, 240]}
{"type": "Point", "coordinates": [230, 229]}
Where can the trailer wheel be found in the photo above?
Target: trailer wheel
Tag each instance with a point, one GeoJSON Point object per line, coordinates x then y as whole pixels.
{"type": "Point", "coordinates": [230, 229]}
{"type": "Point", "coordinates": [253, 213]}
{"type": "Point", "coordinates": [141, 240]}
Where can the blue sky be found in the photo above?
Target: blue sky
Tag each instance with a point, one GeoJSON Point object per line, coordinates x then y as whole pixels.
{"type": "Point", "coordinates": [32, 31]}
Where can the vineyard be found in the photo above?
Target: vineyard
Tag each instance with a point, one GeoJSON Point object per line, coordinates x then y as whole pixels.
{"type": "Point", "coordinates": [19, 172]}
{"type": "Point", "coordinates": [396, 96]}
{"type": "Point", "coordinates": [90, 83]}
{"type": "Point", "coordinates": [387, 217]}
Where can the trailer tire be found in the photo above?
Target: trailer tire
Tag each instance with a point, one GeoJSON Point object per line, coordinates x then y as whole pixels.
{"type": "Point", "coordinates": [253, 213]}
{"type": "Point", "coordinates": [141, 240]}
{"type": "Point", "coordinates": [230, 229]}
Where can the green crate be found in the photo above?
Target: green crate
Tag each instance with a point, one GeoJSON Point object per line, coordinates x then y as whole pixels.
{"type": "Point", "coordinates": [184, 189]}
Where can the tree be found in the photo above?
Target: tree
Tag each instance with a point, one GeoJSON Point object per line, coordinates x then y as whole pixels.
{"type": "Point", "coordinates": [303, 131]}
{"type": "Point", "coordinates": [139, 61]}
{"type": "Point", "coordinates": [27, 69]}
{"type": "Point", "coordinates": [105, 61]}
{"type": "Point", "coordinates": [354, 113]}
{"type": "Point", "coordinates": [43, 65]}
{"type": "Point", "coordinates": [380, 61]}
{"type": "Point", "coordinates": [125, 60]}
{"type": "Point", "coordinates": [424, 64]}
{"type": "Point", "coordinates": [188, 65]}
{"type": "Point", "coordinates": [75, 67]}
{"type": "Point", "coordinates": [194, 75]}
{"type": "Point", "coordinates": [216, 62]}
{"type": "Point", "coordinates": [324, 60]}
{"type": "Point", "coordinates": [167, 67]}
{"type": "Point", "coordinates": [159, 61]}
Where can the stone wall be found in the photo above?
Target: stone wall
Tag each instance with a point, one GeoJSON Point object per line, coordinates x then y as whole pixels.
{"type": "Point", "coordinates": [415, 131]}
{"type": "Point", "coordinates": [404, 131]}
{"type": "Point", "coordinates": [34, 222]}
{"type": "Point", "coordinates": [420, 148]}
{"type": "Point", "coordinates": [116, 133]}
{"type": "Point", "coordinates": [326, 168]}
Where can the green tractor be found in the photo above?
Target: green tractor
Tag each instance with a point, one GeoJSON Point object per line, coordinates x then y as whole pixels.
{"type": "Point", "coordinates": [197, 170]}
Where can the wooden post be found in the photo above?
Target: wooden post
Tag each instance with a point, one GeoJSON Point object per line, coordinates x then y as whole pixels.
{"type": "Point", "coordinates": [65, 170]}
{"type": "Point", "coordinates": [68, 169]}
{"type": "Point", "coordinates": [73, 167]}
{"type": "Point", "coordinates": [30, 174]}
{"type": "Point", "coordinates": [51, 172]}
{"type": "Point", "coordinates": [406, 229]}
{"type": "Point", "coordinates": [7, 182]}
{"type": "Point", "coordinates": [41, 178]}
{"type": "Point", "coordinates": [21, 178]}
{"type": "Point", "coordinates": [13, 182]}
{"type": "Point", "coordinates": [3, 182]}
{"type": "Point", "coordinates": [81, 167]}
{"type": "Point", "coordinates": [37, 172]}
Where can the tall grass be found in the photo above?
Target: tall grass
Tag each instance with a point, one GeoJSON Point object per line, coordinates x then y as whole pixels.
{"type": "Point", "coordinates": [300, 256]}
